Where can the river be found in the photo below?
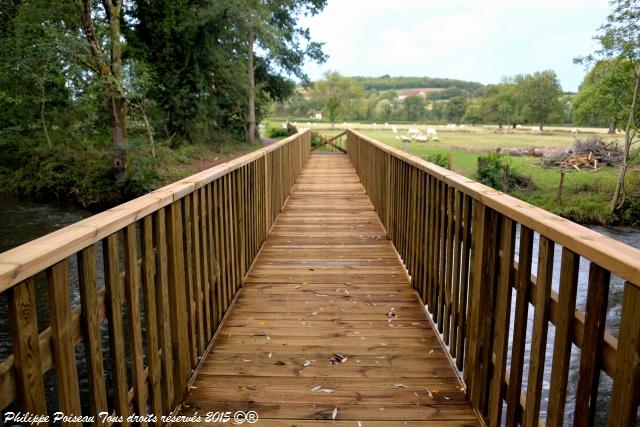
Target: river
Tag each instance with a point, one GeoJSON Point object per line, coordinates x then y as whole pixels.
{"type": "Point", "coordinates": [22, 221]}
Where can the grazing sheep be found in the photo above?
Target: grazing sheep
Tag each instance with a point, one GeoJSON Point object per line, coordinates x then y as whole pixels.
{"type": "Point", "coordinates": [518, 126]}
{"type": "Point", "coordinates": [435, 138]}
{"type": "Point", "coordinates": [574, 131]}
{"type": "Point", "coordinates": [404, 138]}
{"type": "Point", "coordinates": [413, 131]}
{"type": "Point", "coordinates": [422, 138]}
{"type": "Point", "coordinates": [431, 133]}
{"type": "Point", "coordinates": [535, 129]}
{"type": "Point", "coordinates": [394, 129]}
{"type": "Point", "coordinates": [386, 125]}
{"type": "Point", "coordinates": [375, 126]}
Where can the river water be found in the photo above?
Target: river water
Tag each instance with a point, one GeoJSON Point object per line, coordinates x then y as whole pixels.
{"type": "Point", "coordinates": [22, 221]}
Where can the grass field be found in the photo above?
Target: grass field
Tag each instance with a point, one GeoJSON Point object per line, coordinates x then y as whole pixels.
{"type": "Point", "coordinates": [586, 192]}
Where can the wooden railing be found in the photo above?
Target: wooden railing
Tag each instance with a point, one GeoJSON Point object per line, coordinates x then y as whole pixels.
{"type": "Point", "coordinates": [155, 277]}
{"type": "Point", "coordinates": [457, 238]}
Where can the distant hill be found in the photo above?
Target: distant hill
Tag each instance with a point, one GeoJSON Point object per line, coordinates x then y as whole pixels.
{"type": "Point", "coordinates": [387, 82]}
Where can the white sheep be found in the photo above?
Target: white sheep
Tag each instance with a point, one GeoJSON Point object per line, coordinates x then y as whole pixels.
{"type": "Point", "coordinates": [413, 131]}
{"type": "Point", "coordinates": [375, 126]}
{"type": "Point", "coordinates": [431, 133]}
{"type": "Point", "coordinates": [574, 131]}
{"type": "Point", "coordinates": [404, 138]}
{"type": "Point", "coordinates": [535, 129]}
{"type": "Point", "coordinates": [422, 138]}
{"type": "Point", "coordinates": [518, 126]}
{"type": "Point", "coordinates": [394, 129]}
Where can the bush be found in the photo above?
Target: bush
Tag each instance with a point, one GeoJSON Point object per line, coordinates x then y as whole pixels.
{"type": "Point", "coordinates": [316, 141]}
{"type": "Point", "coordinates": [439, 159]}
{"type": "Point", "coordinates": [85, 177]}
{"type": "Point", "coordinates": [494, 170]}
{"type": "Point", "coordinates": [277, 132]}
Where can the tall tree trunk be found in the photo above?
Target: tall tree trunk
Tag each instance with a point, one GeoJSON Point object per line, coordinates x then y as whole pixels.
{"type": "Point", "coordinates": [251, 131]}
{"type": "Point", "coordinates": [612, 127]}
{"type": "Point", "coordinates": [109, 69]}
{"type": "Point", "coordinates": [619, 192]}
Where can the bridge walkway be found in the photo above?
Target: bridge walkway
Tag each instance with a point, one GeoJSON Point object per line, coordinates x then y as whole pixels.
{"type": "Point", "coordinates": [327, 325]}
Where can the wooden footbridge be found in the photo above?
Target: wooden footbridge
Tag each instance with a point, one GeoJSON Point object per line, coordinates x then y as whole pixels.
{"type": "Point", "coordinates": [292, 286]}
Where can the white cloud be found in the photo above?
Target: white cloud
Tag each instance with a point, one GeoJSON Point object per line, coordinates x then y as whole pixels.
{"type": "Point", "coordinates": [466, 39]}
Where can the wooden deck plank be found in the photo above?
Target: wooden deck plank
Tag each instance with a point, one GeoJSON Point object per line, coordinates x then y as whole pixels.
{"type": "Point", "coordinates": [329, 281]}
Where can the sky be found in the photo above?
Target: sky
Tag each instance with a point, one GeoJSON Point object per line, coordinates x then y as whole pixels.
{"type": "Point", "coordinates": [481, 41]}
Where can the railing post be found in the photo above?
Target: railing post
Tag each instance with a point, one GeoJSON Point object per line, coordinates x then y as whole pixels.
{"type": "Point", "coordinates": [387, 213]}
{"type": "Point", "coordinates": [625, 396]}
{"type": "Point", "coordinates": [178, 306]}
{"type": "Point", "coordinates": [24, 330]}
{"type": "Point", "coordinates": [484, 274]}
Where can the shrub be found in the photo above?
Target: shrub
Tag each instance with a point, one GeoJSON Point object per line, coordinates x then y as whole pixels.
{"type": "Point", "coordinates": [494, 170]}
{"type": "Point", "coordinates": [277, 132]}
{"type": "Point", "coordinates": [439, 159]}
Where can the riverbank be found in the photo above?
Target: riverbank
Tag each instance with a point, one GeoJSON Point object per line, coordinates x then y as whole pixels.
{"type": "Point", "coordinates": [84, 176]}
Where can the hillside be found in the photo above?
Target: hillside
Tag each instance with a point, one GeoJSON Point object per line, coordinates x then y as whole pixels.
{"type": "Point", "coordinates": [387, 82]}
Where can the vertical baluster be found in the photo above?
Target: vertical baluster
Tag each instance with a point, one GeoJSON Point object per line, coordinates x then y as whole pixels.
{"type": "Point", "coordinates": [540, 326]}
{"type": "Point", "coordinates": [63, 348]}
{"type": "Point", "coordinates": [197, 234]}
{"type": "Point", "coordinates": [221, 247]}
{"type": "Point", "coordinates": [162, 308]}
{"type": "Point", "coordinates": [150, 314]}
{"type": "Point", "coordinates": [187, 250]}
{"type": "Point", "coordinates": [215, 267]}
{"type": "Point", "coordinates": [26, 349]}
{"type": "Point", "coordinates": [442, 252]}
{"type": "Point", "coordinates": [230, 240]}
{"type": "Point", "coordinates": [520, 324]}
{"type": "Point", "coordinates": [113, 304]}
{"type": "Point", "coordinates": [206, 263]}
{"type": "Point", "coordinates": [591, 354]}
{"type": "Point", "coordinates": [132, 296]}
{"type": "Point", "coordinates": [435, 252]}
{"type": "Point", "coordinates": [467, 207]}
{"type": "Point", "coordinates": [455, 297]}
{"type": "Point", "coordinates": [449, 265]}
{"type": "Point", "coordinates": [625, 395]}
{"type": "Point", "coordinates": [565, 319]}
{"type": "Point", "coordinates": [484, 274]}
{"type": "Point", "coordinates": [430, 243]}
{"type": "Point", "coordinates": [91, 330]}
{"type": "Point", "coordinates": [177, 296]}
{"type": "Point", "coordinates": [501, 324]}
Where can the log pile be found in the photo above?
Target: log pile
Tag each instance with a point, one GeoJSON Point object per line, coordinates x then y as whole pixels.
{"type": "Point", "coordinates": [592, 153]}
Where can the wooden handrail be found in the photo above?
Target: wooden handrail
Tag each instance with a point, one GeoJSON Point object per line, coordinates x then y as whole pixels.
{"type": "Point", "coordinates": [185, 249]}
{"type": "Point", "coordinates": [457, 239]}
{"type": "Point", "coordinates": [613, 255]}
{"type": "Point", "coordinates": [24, 261]}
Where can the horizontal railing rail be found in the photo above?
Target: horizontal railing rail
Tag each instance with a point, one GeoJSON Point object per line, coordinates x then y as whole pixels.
{"type": "Point", "coordinates": [151, 279]}
{"type": "Point", "coordinates": [458, 240]}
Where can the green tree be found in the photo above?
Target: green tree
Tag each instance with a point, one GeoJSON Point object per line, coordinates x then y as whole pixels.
{"type": "Point", "coordinates": [539, 95]}
{"type": "Point", "coordinates": [473, 113]}
{"type": "Point", "coordinates": [337, 94]}
{"type": "Point", "coordinates": [605, 94]}
{"type": "Point", "coordinates": [414, 108]}
{"type": "Point", "coordinates": [273, 27]}
{"type": "Point", "coordinates": [454, 110]}
{"type": "Point", "coordinates": [619, 39]}
{"type": "Point", "coordinates": [500, 104]}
